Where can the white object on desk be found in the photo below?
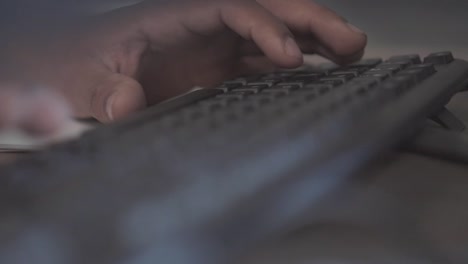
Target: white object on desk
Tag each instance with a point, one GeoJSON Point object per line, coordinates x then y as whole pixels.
{"type": "Point", "coordinates": [13, 140]}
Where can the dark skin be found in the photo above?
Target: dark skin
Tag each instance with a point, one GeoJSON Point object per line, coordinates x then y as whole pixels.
{"type": "Point", "coordinates": [116, 64]}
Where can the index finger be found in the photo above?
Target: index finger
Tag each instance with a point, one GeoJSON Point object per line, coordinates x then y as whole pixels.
{"type": "Point", "coordinates": [339, 39]}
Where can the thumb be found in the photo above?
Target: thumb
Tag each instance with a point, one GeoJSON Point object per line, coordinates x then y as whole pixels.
{"type": "Point", "coordinates": [116, 98]}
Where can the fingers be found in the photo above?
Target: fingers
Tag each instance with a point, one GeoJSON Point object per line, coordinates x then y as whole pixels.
{"type": "Point", "coordinates": [307, 45]}
{"type": "Point", "coordinates": [340, 41]}
{"type": "Point", "coordinates": [117, 97]}
{"type": "Point", "coordinates": [37, 111]}
{"type": "Point", "coordinates": [201, 19]}
{"type": "Point", "coordinates": [253, 22]}
{"type": "Point", "coordinates": [254, 65]}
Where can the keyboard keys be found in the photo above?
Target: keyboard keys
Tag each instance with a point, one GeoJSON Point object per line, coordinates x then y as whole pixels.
{"type": "Point", "coordinates": [367, 63]}
{"type": "Point", "coordinates": [308, 77]}
{"type": "Point", "coordinates": [429, 69]}
{"type": "Point", "coordinates": [380, 72]}
{"type": "Point", "coordinates": [331, 81]}
{"type": "Point", "coordinates": [371, 80]}
{"type": "Point", "coordinates": [420, 72]}
{"type": "Point", "coordinates": [235, 83]}
{"type": "Point", "coordinates": [377, 75]}
{"type": "Point", "coordinates": [262, 84]}
{"type": "Point", "coordinates": [391, 68]}
{"type": "Point", "coordinates": [343, 76]}
{"type": "Point", "coordinates": [439, 58]}
{"type": "Point", "coordinates": [354, 69]}
{"type": "Point", "coordinates": [413, 59]}
{"type": "Point", "coordinates": [251, 89]}
{"type": "Point", "coordinates": [352, 73]}
{"type": "Point", "coordinates": [235, 95]}
{"type": "Point", "coordinates": [273, 80]}
{"type": "Point", "coordinates": [254, 87]}
{"type": "Point", "coordinates": [290, 85]}
{"type": "Point", "coordinates": [282, 74]}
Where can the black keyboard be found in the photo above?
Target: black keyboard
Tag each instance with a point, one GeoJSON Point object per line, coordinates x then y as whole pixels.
{"type": "Point", "coordinates": [209, 173]}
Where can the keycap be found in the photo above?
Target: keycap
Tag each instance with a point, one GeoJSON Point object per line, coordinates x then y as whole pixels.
{"type": "Point", "coordinates": [253, 89]}
{"type": "Point", "coordinates": [290, 85]}
{"type": "Point", "coordinates": [367, 63]}
{"type": "Point", "coordinates": [235, 95]}
{"type": "Point", "coordinates": [420, 73]}
{"type": "Point", "coordinates": [367, 82]}
{"type": "Point", "coordinates": [305, 78]}
{"type": "Point", "coordinates": [413, 58]}
{"type": "Point", "coordinates": [284, 87]}
{"type": "Point", "coordinates": [379, 76]}
{"type": "Point", "coordinates": [392, 68]}
{"type": "Point", "coordinates": [351, 72]}
{"type": "Point", "coordinates": [384, 72]}
{"type": "Point", "coordinates": [282, 74]}
{"type": "Point", "coordinates": [403, 64]}
{"type": "Point", "coordinates": [262, 84]}
{"type": "Point", "coordinates": [439, 58]}
{"type": "Point", "coordinates": [343, 76]}
{"type": "Point", "coordinates": [273, 80]}
{"type": "Point", "coordinates": [356, 69]}
{"type": "Point", "coordinates": [234, 83]}
{"type": "Point", "coordinates": [332, 81]}
{"type": "Point", "coordinates": [429, 69]}
{"type": "Point", "coordinates": [226, 88]}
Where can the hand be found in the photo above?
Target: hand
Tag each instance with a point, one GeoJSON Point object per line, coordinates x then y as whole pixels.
{"type": "Point", "coordinates": [121, 61]}
{"type": "Point", "coordinates": [37, 111]}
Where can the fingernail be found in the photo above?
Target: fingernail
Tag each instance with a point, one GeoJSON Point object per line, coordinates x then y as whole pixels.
{"type": "Point", "coordinates": [291, 48]}
{"type": "Point", "coordinates": [109, 107]}
{"type": "Point", "coordinates": [355, 29]}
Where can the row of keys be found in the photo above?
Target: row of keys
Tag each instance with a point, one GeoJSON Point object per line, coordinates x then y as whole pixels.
{"type": "Point", "coordinates": [393, 76]}
{"type": "Point", "coordinates": [342, 73]}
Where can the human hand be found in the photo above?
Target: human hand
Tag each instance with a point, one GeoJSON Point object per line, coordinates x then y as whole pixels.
{"type": "Point", "coordinates": [117, 63]}
{"type": "Point", "coordinates": [37, 111]}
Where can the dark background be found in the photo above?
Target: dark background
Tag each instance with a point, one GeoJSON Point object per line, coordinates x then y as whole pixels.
{"type": "Point", "coordinates": [418, 26]}
{"type": "Point", "coordinates": [396, 26]}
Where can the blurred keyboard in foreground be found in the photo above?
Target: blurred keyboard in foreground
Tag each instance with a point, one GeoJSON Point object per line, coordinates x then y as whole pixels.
{"type": "Point", "coordinates": [206, 175]}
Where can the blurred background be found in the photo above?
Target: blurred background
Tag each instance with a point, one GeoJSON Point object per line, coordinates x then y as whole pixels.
{"type": "Point", "coordinates": [393, 26]}
{"type": "Point", "coordinates": [416, 26]}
